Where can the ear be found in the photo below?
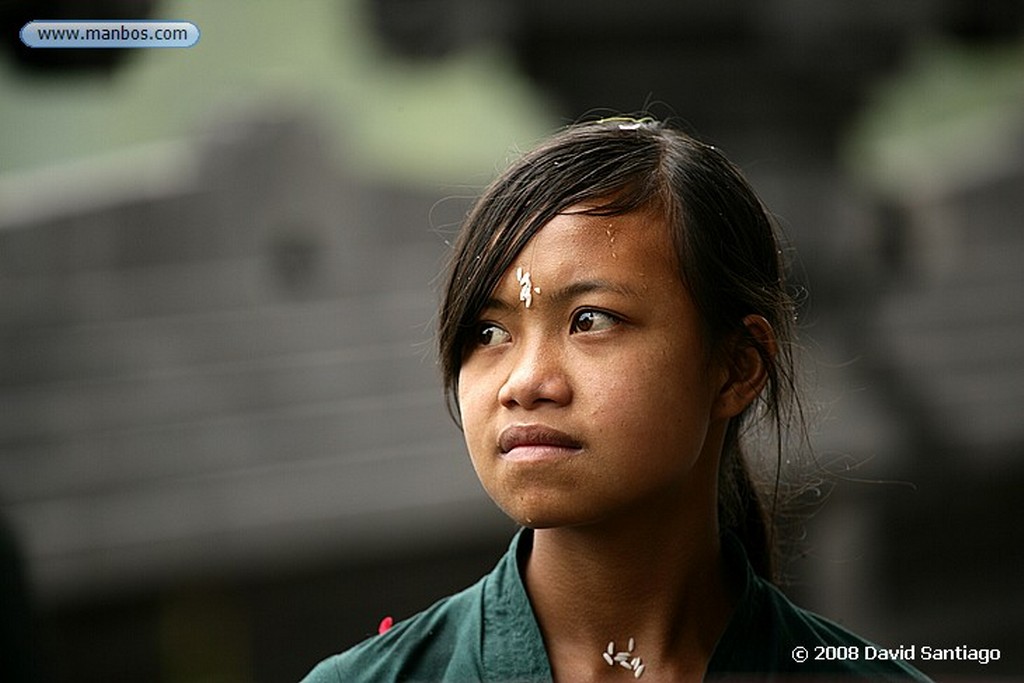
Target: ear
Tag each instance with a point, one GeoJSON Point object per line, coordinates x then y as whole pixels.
{"type": "Point", "coordinates": [746, 370]}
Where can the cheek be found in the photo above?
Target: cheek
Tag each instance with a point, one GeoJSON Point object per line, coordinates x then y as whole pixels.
{"type": "Point", "coordinates": [472, 407]}
{"type": "Point", "coordinates": [651, 398]}
{"type": "Point", "coordinates": [619, 403]}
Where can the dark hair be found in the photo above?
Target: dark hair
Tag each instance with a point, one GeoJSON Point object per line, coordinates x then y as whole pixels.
{"type": "Point", "coordinates": [726, 245]}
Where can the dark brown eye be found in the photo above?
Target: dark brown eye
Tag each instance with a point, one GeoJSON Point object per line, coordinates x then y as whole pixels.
{"type": "Point", "coordinates": [491, 335]}
{"type": "Point", "coordinates": [593, 321]}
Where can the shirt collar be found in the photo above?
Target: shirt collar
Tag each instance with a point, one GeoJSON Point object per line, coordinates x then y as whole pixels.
{"type": "Point", "coordinates": [746, 586]}
{"type": "Point", "coordinates": [512, 645]}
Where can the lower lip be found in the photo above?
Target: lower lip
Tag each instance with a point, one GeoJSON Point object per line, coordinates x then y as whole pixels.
{"type": "Point", "coordinates": [538, 453]}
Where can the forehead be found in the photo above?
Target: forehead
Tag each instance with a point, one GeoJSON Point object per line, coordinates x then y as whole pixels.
{"type": "Point", "coordinates": [637, 243]}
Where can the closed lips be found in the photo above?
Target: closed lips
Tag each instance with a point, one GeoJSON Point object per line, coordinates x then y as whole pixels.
{"type": "Point", "coordinates": [534, 435]}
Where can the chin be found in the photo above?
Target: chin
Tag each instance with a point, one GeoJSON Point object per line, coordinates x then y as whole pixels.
{"type": "Point", "coordinates": [536, 523]}
{"type": "Point", "coordinates": [546, 514]}
{"type": "Point", "coordinates": [530, 518]}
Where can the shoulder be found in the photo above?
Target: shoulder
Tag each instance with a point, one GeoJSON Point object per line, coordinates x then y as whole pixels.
{"type": "Point", "coordinates": [802, 643]}
{"type": "Point", "coordinates": [768, 633]}
{"type": "Point", "coordinates": [436, 644]}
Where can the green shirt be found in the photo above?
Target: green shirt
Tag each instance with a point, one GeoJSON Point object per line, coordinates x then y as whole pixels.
{"type": "Point", "coordinates": [488, 632]}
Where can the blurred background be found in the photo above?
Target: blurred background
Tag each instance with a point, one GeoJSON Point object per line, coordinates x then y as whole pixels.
{"type": "Point", "coordinates": [223, 448]}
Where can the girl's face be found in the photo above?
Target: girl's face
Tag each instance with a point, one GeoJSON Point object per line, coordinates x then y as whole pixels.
{"type": "Point", "coordinates": [598, 398]}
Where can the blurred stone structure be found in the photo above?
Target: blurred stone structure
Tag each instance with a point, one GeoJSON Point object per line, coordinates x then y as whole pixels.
{"type": "Point", "coordinates": [217, 365]}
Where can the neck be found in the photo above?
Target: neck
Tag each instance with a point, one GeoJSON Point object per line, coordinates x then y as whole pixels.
{"type": "Point", "coordinates": [661, 584]}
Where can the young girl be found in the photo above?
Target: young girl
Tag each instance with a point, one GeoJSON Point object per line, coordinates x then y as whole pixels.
{"type": "Point", "coordinates": [615, 313]}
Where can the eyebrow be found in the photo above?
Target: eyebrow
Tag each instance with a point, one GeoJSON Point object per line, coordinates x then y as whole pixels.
{"type": "Point", "coordinates": [568, 293]}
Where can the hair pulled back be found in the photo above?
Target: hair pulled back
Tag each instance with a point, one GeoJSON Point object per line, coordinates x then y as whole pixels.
{"type": "Point", "coordinates": [726, 248]}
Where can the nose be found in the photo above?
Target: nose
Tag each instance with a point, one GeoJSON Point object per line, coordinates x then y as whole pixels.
{"type": "Point", "coordinates": [537, 375]}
